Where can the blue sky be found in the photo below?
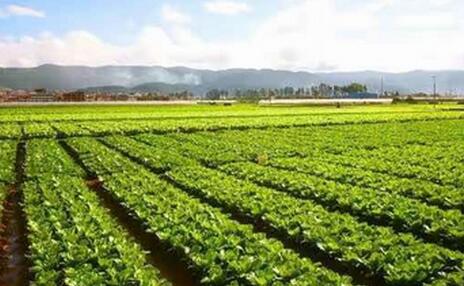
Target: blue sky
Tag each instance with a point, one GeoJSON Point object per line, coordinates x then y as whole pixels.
{"type": "Point", "coordinates": [116, 21]}
{"type": "Point", "coordinates": [315, 35]}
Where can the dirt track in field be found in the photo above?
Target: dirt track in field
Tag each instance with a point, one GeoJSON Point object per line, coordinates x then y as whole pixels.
{"type": "Point", "coordinates": [14, 244]}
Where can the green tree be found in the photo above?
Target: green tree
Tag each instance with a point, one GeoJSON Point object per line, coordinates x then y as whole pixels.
{"type": "Point", "coordinates": [354, 87]}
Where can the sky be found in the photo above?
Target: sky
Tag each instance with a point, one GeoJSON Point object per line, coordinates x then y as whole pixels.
{"type": "Point", "coordinates": [306, 35]}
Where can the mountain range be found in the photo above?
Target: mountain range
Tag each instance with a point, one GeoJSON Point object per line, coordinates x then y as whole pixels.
{"type": "Point", "coordinates": [169, 79]}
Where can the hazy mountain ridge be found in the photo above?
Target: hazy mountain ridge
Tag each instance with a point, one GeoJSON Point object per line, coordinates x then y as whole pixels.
{"type": "Point", "coordinates": [156, 78]}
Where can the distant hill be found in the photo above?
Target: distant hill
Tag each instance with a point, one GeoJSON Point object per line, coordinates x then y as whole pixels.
{"type": "Point", "coordinates": [145, 87]}
{"type": "Point", "coordinates": [163, 87]}
{"type": "Point", "coordinates": [156, 78]}
{"type": "Point", "coordinates": [106, 88]}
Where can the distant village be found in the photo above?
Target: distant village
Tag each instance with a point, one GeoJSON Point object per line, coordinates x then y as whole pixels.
{"type": "Point", "coordinates": [44, 95]}
{"type": "Point", "coordinates": [321, 91]}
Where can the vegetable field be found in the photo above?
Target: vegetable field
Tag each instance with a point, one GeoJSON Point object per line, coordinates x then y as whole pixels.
{"type": "Point", "coordinates": [239, 195]}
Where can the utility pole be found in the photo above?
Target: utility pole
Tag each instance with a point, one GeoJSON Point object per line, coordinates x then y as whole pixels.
{"type": "Point", "coordinates": [434, 87]}
{"type": "Point", "coordinates": [434, 77]}
{"type": "Point", "coordinates": [381, 87]}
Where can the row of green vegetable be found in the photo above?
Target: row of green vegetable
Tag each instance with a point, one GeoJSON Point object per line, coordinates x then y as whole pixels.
{"type": "Point", "coordinates": [221, 250]}
{"type": "Point", "coordinates": [404, 214]}
{"type": "Point", "coordinates": [399, 258]}
{"type": "Point", "coordinates": [10, 131]}
{"type": "Point", "coordinates": [7, 170]}
{"type": "Point", "coordinates": [394, 142]}
{"type": "Point", "coordinates": [98, 128]}
{"type": "Point", "coordinates": [229, 146]}
{"type": "Point", "coordinates": [96, 112]}
{"type": "Point", "coordinates": [447, 156]}
{"type": "Point", "coordinates": [447, 172]}
{"type": "Point", "coordinates": [341, 139]}
{"type": "Point", "coordinates": [7, 161]}
{"type": "Point", "coordinates": [446, 197]}
{"type": "Point", "coordinates": [373, 136]}
{"type": "Point", "coordinates": [433, 157]}
{"type": "Point", "coordinates": [222, 148]}
{"type": "Point", "coordinates": [377, 206]}
{"type": "Point", "coordinates": [72, 239]}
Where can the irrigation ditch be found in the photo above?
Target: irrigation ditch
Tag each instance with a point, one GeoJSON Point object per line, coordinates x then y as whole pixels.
{"type": "Point", "coordinates": [14, 261]}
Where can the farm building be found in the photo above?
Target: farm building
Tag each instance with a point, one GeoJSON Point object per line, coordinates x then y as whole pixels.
{"type": "Point", "coordinates": [360, 95]}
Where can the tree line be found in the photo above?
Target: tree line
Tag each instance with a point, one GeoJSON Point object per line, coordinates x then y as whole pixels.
{"type": "Point", "coordinates": [321, 91]}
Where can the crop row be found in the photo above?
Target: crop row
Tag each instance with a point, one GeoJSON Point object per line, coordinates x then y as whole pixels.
{"type": "Point", "coordinates": [432, 223]}
{"type": "Point", "coordinates": [451, 279]}
{"type": "Point", "coordinates": [373, 136]}
{"type": "Point", "coordinates": [7, 161]}
{"type": "Point", "coordinates": [220, 249]}
{"type": "Point", "coordinates": [446, 197]}
{"type": "Point", "coordinates": [99, 113]}
{"type": "Point", "coordinates": [447, 157]}
{"type": "Point", "coordinates": [216, 149]}
{"type": "Point", "coordinates": [67, 129]}
{"type": "Point", "coordinates": [73, 240]}
{"type": "Point", "coordinates": [45, 156]}
{"type": "Point", "coordinates": [316, 141]}
{"type": "Point", "coordinates": [99, 128]}
{"type": "Point", "coordinates": [378, 249]}
{"type": "Point", "coordinates": [10, 131]}
{"type": "Point", "coordinates": [399, 258]}
{"type": "Point", "coordinates": [437, 164]}
{"type": "Point", "coordinates": [438, 161]}
{"type": "Point", "coordinates": [391, 141]}
{"type": "Point", "coordinates": [140, 112]}
{"type": "Point", "coordinates": [444, 172]}
{"type": "Point", "coordinates": [7, 170]}
{"type": "Point", "coordinates": [39, 130]}
{"type": "Point", "coordinates": [187, 125]}
{"type": "Point", "coordinates": [436, 151]}
{"type": "Point", "coordinates": [321, 160]}
{"type": "Point", "coordinates": [377, 206]}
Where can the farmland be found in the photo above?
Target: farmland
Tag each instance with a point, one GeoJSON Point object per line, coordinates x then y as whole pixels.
{"type": "Point", "coordinates": [232, 195]}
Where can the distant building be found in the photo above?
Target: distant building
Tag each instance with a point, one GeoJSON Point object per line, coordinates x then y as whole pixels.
{"type": "Point", "coordinates": [103, 97]}
{"type": "Point", "coordinates": [76, 96]}
{"type": "Point", "coordinates": [3, 95]}
{"type": "Point", "coordinates": [41, 95]}
{"type": "Point", "coordinates": [18, 96]}
{"type": "Point", "coordinates": [120, 97]}
{"type": "Point", "coordinates": [360, 95]}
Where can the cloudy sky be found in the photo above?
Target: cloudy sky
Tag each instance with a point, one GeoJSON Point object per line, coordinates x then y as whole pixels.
{"type": "Point", "coordinates": [310, 35]}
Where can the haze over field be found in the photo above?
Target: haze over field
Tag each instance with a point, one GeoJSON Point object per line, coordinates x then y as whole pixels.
{"type": "Point", "coordinates": [157, 78]}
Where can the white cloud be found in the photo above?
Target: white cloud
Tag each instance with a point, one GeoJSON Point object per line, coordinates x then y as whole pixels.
{"type": "Point", "coordinates": [78, 47]}
{"type": "Point", "coordinates": [226, 7]}
{"type": "Point", "coordinates": [375, 6]}
{"type": "Point", "coordinates": [306, 35]}
{"type": "Point", "coordinates": [440, 3]}
{"type": "Point", "coordinates": [17, 10]}
{"type": "Point", "coordinates": [430, 21]}
{"type": "Point", "coordinates": [173, 15]}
